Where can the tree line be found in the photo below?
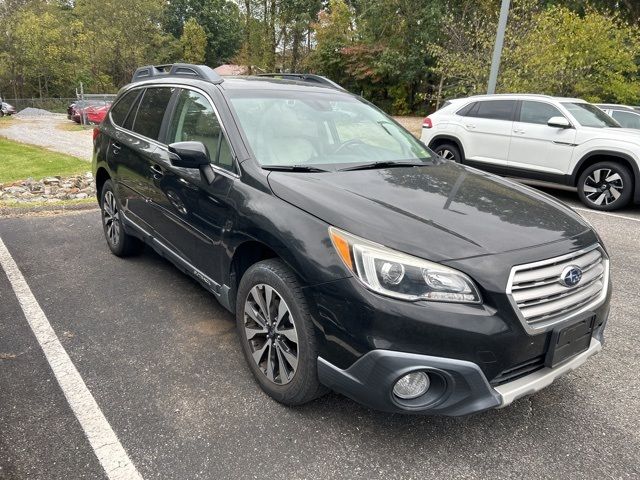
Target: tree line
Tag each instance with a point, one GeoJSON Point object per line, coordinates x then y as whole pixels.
{"type": "Point", "coordinates": [404, 55]}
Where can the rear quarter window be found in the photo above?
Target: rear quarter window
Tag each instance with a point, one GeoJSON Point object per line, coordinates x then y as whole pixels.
{"type": "Point", "coordinates": [122, 107]}
{"type": "Point", "coordinates": [464, 111]}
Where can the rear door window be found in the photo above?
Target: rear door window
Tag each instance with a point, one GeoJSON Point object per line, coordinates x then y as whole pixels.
{"type": "Point", "coordinates": [538, 112]}
{"type": "Point", "coordinates": [151, 111]}
{"type": "Point", "coordinates": [494, 110]}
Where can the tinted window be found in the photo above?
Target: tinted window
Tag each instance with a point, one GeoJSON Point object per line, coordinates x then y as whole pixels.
{"type": "Point", "coordinates": [121, 109]}
{"type": "Point", "coordinates": [627, 119]}
{"type": "Point", "coordinates": [494, 109]}
{"type": "Point", "coordinates": [194, 120]}
{"type": "Point", "coordinates": [538, 112]}
{"type": "Point", "coordinates": [151, 111]}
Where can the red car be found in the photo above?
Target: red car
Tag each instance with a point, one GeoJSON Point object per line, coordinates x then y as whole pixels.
{"type": "Point", "coordinates": [93, 111]}
{"type": "Point", "coordinates": [96, 114]}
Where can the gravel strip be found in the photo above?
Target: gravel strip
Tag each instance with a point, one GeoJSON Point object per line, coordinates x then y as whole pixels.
{"type": "Point", "coordinates": [413, 124]}
{"type": "Point", "coordinates": [48, 131]}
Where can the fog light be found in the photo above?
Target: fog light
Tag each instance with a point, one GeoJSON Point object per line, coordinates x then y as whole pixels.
{"type": "Point", "coordinates": [412, 385]}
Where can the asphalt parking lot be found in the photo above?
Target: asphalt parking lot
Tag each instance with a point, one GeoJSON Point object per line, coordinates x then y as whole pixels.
{"type": "Point", "coordinates": [161, 359]}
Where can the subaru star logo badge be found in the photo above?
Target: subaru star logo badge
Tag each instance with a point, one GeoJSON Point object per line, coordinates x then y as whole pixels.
{"type": "Point", "coordinates": [570, 276]}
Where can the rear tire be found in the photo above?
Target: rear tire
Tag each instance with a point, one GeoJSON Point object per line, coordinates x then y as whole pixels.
{"type": "Point", "coordinates": [276, 332]}
{"type": "Point", "coordinates": [120, 243]}
{"type": "Point", "coordinates": [449, 151]}
{"type": "Point", "coordinates": [606, 186]}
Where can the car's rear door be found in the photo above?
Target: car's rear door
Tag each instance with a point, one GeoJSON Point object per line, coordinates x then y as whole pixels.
{"type": "Point", "coordinates": [487, 129]}
{"type": "Point", "coordinates": [135, 145]}
{"type": "Point", "coordinates": [121, 154]}
{"type": "Point", "coordinates": [536, 148]}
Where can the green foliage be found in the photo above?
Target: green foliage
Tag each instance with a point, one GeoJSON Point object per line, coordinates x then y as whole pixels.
{"type": "Point", "coordinates": [333, 34]}
{"type": "Point", "coordinates": [551, 50]}
{"type": "Point", "coordinates": [193, 42]}
{"type": "Point", "coordinates": [594, 57]}
{"type": "Point", "coordinates": [403, 55]}
{"type": "Point", "coordinates": [220, 20]}
{"type": "Point", "coordinates": [40, 51]}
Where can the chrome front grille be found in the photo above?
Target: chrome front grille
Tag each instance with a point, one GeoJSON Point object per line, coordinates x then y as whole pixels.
{"type": "Point", "coordinates": [541, 299]}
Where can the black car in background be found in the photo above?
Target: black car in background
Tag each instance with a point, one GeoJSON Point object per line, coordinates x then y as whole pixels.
{"type": "Point", "coordinates": [353, 257]}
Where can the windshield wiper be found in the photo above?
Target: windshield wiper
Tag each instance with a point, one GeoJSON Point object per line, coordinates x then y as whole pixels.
{"type": "Point", "coordinates": [293, 168]}
{"type": "Point", "coordinates": [383, 164]}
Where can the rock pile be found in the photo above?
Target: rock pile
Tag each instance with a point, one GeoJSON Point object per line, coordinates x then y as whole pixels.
{"type": "Point", "coordinates": [31, 112]}
{"type": "Point", "coordinates": [50, 189]}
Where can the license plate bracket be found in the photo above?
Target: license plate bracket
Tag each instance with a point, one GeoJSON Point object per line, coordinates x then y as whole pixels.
{"type": "Point", "coordinates": [566, 342]}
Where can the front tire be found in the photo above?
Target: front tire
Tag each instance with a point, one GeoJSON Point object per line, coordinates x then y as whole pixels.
{"type": "Point", "coordinates": [605, 186]}
{"type": "Point", "coordinates": [449, 151]}
{"type": "Point", "coordinates": [119, 242]}
{"type": "Point", "coordinates": [276, 332]}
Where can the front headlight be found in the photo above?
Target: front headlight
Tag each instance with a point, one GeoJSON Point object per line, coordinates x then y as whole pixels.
{"type": "Point", "coordinates": [400, 275]}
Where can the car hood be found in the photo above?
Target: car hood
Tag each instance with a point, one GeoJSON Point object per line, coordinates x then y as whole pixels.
{"type": "Point", "coordinates": [627, 135]}
{"type": "Point", "coordinates": [440, 212]}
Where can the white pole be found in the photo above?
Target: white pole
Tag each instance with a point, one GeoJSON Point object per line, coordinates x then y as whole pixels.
{"type": "Point", "coordinates": [497, 50]}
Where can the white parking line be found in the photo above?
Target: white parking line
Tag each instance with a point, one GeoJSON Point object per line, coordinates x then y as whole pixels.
{"type": "Point", "coordinates": [607, 214]}
{"type": "Point", "coordinates": [103, 440]}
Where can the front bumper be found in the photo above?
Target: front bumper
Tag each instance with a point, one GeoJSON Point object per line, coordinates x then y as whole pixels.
{"type": "Point", "coordinates": [458, 387]}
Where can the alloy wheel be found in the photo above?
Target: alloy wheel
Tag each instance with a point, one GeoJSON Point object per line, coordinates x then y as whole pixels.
{"type": "Point", "coordinates": [603, 186]}
{"type": "Point", "coordinates": [111, 218]}
{"type": "Point", "coordinates": [270, 330]}
{"type": "Point", "coordinates": [447, 154]}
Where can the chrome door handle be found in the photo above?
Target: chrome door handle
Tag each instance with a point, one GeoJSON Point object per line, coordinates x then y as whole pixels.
{"type": "Point", "coordinates": [116, 147]}
{"type": "Point", "coordinates": [518, 131]}
{"type": "Point", "coordinates": [470, 125]}
{"type": "Point", "coordinates": [157, 172]}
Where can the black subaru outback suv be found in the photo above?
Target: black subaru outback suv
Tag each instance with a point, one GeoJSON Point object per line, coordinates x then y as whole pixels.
{"type": "Point", "coordinates": [353, 258]}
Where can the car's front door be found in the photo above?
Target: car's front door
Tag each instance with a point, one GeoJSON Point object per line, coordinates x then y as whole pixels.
{"type": "Point", "coordinates": [537, 147]}
{"type": "Point", "coordinates": [191, 209]}
{"type": "Point", "coordinates": [487, 134]}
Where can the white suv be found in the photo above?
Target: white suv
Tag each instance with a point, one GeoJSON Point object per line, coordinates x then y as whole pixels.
{"type": "Point", "coordinates": [560, 140]}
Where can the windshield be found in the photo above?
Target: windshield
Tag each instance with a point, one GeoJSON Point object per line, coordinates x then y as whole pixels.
{"type": "Point", "coordinates": [589, 115]}
{"type": "Point", "coordinates": [321, 129]}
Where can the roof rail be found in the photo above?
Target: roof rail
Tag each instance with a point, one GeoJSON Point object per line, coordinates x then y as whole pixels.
{"type": "Point", "coordinates": [304, 77]}
{"type": "Point", "coordinates": [177, 70]}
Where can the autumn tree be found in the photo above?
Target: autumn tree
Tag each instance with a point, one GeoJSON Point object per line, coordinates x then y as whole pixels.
{"type": "Point", "coordinates": [193, 42]}
{"type": "Point", "coordinates": [333, 34]}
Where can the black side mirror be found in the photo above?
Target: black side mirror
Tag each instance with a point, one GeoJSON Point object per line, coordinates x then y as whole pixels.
{"type": "Point", "coordinates": [189, 154]}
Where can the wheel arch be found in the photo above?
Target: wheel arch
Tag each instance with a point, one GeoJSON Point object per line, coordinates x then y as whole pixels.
{"type": "Point", "coordinates": [102, 175]}
{"type": "Point", "coordinates": [596, 156]}
{"type": "Point", "coordinates": [441, 139]}
{"type": "Point", "coordinates": [246, 254]}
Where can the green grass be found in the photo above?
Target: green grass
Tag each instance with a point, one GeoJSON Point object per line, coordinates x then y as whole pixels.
{"type": "Point", "coordinates": [19, 161]}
